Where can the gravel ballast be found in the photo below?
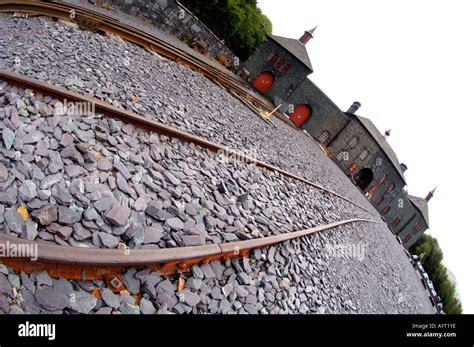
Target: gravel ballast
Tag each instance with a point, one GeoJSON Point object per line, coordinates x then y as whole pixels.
{"type": "Point", "coordinates": [95, 182]}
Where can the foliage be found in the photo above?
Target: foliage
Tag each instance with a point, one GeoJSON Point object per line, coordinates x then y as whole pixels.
{"type": "Point", "coordinates": [432, 263]}
{"type": "Point", "coordinates": [240, 23]}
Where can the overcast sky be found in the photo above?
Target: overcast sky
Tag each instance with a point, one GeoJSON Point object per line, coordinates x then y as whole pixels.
{"type": "Point", "coordinates": [410, 64]}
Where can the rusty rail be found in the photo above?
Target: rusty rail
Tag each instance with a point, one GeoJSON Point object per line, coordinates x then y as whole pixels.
{"type": "Point", "coordinates": [97, 263]}
{"type": "Point", "coordinates": [151, 125]}
{"type": "Point", "coordinates": [93, 263]}
{"type": "Point", "coordinates": [103, 23]}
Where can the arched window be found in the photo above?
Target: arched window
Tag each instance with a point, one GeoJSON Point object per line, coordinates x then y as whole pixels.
{"type": "Point", "coordinates": [391, 188]}
{"type": "Point", "coordinates": [279, 64]}
{"type": "Point", "coordinates": [353, 142]}
{"type": "Point", "coordinates": [383, 179]}
{"type": "Point", "coordinates": [285, 68]}
{"type": "Point", "coordinates": [364, 154]}
{"type": "Point", "coordinates": [386, 210]}
{"type": "Point", "coordinates": [396, 221]}
{"type": "Point", "coordinates": [323, 137]}
{"type": "Point", "coordinates": [341, 155]}
{"type": "Point", "coordinates": [379, 200]}
{"type": "Point", "coordinates": [273, 58]}
{"type": "Point", "coordinates": [418, 226]}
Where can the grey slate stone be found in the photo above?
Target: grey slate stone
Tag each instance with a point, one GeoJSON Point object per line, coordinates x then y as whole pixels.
{"type": "Point", "coordinates": [132, 283]}
{"type": "Point", "coordinates": [68, 216]}
{"type": "Point", "coordinates": [82, 302]}
{"type": "Point", "coordinates": [108, 240]}
{"type": "Point", "coordinates": [197, 272]}
{"type": "Point", "coordinates": [47, 298]}
{"type": "Point", "coordinates": [146, 307]}
{"type": "Point", "coordinates": [8, 138]}
{"type": "Point", "coordinates": [43, 278]}
{"type": "Point", "coordinates": [75, 170]}
{"type": "Point", "coordinates": [46, 215]}
{"type": "Point", "coordinates": [9, 196]}
{"type": "Point", "coordinates": [3, 173]}
{"type": "Point", "coordinates": [33, 137]}
{"type": "Point", "coordinates": [104, 164]}
{"type": "Point", "coordinates": [14, 221]}
{"type": "Point", "coordinates": [193, 240]}
{"type": "Point", "coordinates": [152, 235]}
{"type": "Point", "coordinates": [207, 271]}
{"type": "Point", "coordinates": [126, 308]}
{"type": "Point", "coordinates": [175, 223]}
{"type": "Point", "coordinates": [5, 285]}
{"type": "Point", "coordinates": [30, 230]}
{"type": "Point", "coordinates": [190, 298]}
{"type": "Point", "coordinates": [118, 215]}
{"type": "Point", "coordinates": [110, 298]}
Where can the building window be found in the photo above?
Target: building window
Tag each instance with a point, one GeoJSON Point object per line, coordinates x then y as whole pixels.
{"type": "Point", "coordinates": [279, 64]}
{"type": "Point", "coordinates": [379, 200]}
{"type": "Point", "coordinates": [391, 188]}
{"type": "Point", "coordinates": [323, 137]}
{"type": "Point", "coordinates": [285, 68]}
{"type": "Point", "coordinates": [352, 168]}
{"type": "Point", "coordinates": [353, 142]}
{"type": "Point", "coordinates": [383, 179]}
{"type": "Point", "coordinates": [341, 155]}
{"type": "Point", "coordinates": [418, 226]}
{"type": "Point", "coordinates": [291, 89]}
{"type": "Point", "coordinates": [386, 210]}
{"type": "Point", "coordinates": [273, 58]}
{"type": "Point", "coordinates": [372, 190]}
{"type": "Point", "coordinates": [364, 154]}
{"type": "Point", "coordinates": [408, 237]}
{"type": "Point", "coordinates": [396, 221]}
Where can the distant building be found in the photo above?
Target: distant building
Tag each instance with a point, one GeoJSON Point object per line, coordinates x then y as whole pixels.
{"type": "Point", "coordinates": [279, 69]}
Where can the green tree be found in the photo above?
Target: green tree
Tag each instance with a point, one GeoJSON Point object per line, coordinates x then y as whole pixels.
{"type": "Point", "coordinates": [432, 263]}
{"type": "Point", "coordinates": [240, 23]}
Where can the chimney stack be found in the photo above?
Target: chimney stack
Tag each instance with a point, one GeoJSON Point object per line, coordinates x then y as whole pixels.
{"type": "Point", "coordinates": [403, 167]}
{"type": "Point", "coordinates": [430, 195]}
{"type": "Point", "coordinates": [355, 106]}
{"type": "Point", "coordinates": [308, 35]}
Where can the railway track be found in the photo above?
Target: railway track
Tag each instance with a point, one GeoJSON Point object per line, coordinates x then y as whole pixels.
{"type": "Point", "coordinates": [107, 24]}
{"type": "Point", "coordinates": [93, 263]}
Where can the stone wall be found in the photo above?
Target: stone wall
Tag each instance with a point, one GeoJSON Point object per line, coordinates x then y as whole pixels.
{"type": "Point", "coordinates": [401, 207]}
{"type": "Point", "coordinates": [172, 17]}
{"type": "Point", "coordinates": [325, 116]}
{"type": "Point", "coordinates": [409, 229]}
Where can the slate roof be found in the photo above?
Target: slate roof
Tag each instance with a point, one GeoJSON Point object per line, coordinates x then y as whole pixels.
{"type": "Point", "coordinates": [378, 137]}
{"type": "Point", "coordinates": [422, 205]}
{"type": "Point", "coordinates": [295, 47]}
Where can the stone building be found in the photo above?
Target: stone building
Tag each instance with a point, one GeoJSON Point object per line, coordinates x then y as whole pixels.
{"type": "Point", "coordinates": [279, 66]}
{"type": "Point", "coordinates": [279, 69]}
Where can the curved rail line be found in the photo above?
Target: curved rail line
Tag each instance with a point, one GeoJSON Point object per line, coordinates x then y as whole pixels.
{"type": "Point", "coordinates": [96, 263]}
{"type": "Point", "coordinates": [93, 263]}
{"type": "Point", "coordinates": [151, 125]}
{"type": "Point", "coordinates": [103, 23]}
